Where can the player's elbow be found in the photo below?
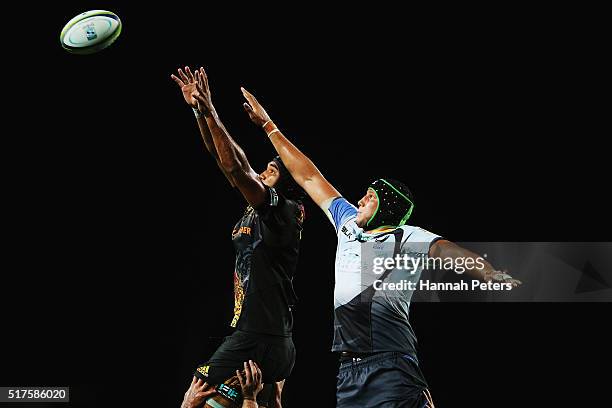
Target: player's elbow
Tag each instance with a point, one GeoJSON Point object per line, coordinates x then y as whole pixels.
{"type": "Point", "coordinates": [312, 178]}
{"type": "Point", "coordinates": [304, 180]}
{"type": "Point", "coordinates": [231, 165]}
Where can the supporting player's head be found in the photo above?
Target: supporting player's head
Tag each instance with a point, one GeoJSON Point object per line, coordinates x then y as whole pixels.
{"type": "Point", "coordinates": [387, 203]}
{"type": "Point", "coordinates": [276, 175]}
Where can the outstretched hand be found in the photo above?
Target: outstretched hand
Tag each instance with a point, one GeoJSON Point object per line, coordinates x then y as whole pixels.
{"type": "Point", "coordinates": [197, 394]}
{"type": "Point", "coordinates": [256, 112]}
{"type": "Point", "coordinates": [251, 382]}
{"type": "Point", "coordinates": [202, 92]}
{"type": "Point", "coordinates": [187, 83]}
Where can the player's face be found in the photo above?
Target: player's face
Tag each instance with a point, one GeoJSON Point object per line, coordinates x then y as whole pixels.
{"type": "Point", "coordinates": [270, 175]}
{"type": "Point", "coordinates": [367, 207]}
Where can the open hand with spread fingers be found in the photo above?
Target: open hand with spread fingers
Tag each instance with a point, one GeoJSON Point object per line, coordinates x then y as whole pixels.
{"type": "Point", "coordinates": [197, 393]}
{"type": "Point", "coordinates": [186, 81]}
{"type": "Point", "coordinates": [251, 381]}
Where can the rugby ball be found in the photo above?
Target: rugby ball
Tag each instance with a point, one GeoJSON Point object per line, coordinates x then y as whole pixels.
{"type": "Point", "coordinates": [90, 32]}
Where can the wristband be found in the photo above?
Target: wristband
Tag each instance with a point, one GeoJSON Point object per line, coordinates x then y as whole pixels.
{"type": "Point", "coordinates": [196, 112]}
{"type": "Point", "coordinates": [275, 130]}
{"type": "Point", "coordinates": [268, 127]}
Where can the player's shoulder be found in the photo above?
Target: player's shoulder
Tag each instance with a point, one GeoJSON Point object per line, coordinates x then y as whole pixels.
{"type": "Point", "coordinates": [415, 229]}
{"type": "Point", "coordinates": [340, 212]}
{"type": "Point", "coordinates": [414, 233]}
{"type": "Point", "coordinates": [412, 228]}
{"type": "Point", "coordinates": [340, 204]}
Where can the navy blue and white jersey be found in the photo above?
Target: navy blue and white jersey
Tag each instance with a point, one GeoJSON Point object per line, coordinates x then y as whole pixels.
{"type": "Point", "coordinates": [368, 320]}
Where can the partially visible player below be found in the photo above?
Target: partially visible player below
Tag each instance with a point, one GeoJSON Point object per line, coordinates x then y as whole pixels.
{"type": "Point", "coordinates": [372, 333]}
{"type": "Point", "coordinates": [250, 386]}
{"type": "Point", "coordinates": [266, 240]}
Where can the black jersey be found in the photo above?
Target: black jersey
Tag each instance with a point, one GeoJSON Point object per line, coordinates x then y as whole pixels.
{"type": "Point", "coordinates": [267, 242]}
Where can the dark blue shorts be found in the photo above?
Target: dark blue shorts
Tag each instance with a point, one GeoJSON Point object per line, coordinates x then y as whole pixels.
{"type": "Point", "coordinates": [386, 380]}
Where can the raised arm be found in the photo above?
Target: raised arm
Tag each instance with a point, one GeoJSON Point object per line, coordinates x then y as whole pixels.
{"type": "Point", "coordinates": [232, 159]}
{"type": "Point", "coordinates": [302, 169]}
{"type": "Point", "coordinates": [187, 82]}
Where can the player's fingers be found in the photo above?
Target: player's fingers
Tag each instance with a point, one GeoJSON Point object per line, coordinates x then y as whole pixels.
{"type": "Point", "coordinates": [247, 373]}
{"type": "Point", "coordinates": [204, 394]}
{"type": "Point", "coordinates": [189, 74]}
{"type": "Point", "coordinates": [249, 97]}
{"type": "Point", "coordinates": [204, 80]}
{"type": "Point", "coordinates": [194, 380]}
{"type": "Point", "coordinates": [258, 371]}
{"type": "Point", "coordinates": [240, 380]}
{"type": "Point", "coordinates": [183, 76]}
{"type": "Point", "coordinates": [198, 385]}
{"type": "Point", "coordinates": [199, 87]}
{"type": "Point", "coordinates": [177, 80]}
{"type": "Point", "coordinates": [204, 76]}
{"type": "Point", "coordinates": [247, 108]}
{"type": "Point", "coordinates": [253, 371]}
{"type": "Point", "coordinates": [427, 395]}
{"type": "Point", "coordinates": [203, 73]}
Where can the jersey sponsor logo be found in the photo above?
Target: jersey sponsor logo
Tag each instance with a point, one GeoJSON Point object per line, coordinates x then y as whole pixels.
{"type": "Point", "coordinates": [203, 370]}
{"type": "Point", "coordinates": [242, 230]}
{"type": "Point", "coordinates": [346, 232]}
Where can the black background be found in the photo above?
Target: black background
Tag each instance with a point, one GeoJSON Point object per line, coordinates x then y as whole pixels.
{"type": "Point", "coordinates": [118, 251]}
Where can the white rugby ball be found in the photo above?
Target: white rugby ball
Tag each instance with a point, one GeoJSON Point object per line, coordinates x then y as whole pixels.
{"type": "Point", "coordinates": [90, 32]}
